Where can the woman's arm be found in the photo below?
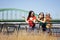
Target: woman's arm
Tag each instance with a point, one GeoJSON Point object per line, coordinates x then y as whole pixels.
{"type": "Point", "coordinates": [38, 19]}
{"type": "Point", "coordinates": [41, 20]}
{"type": "Point", "coordinates": [44, 20]}
{"type": "Point", "coordinates": [25, 19]}
{"type": "Point", "coordinates": [34, 19]}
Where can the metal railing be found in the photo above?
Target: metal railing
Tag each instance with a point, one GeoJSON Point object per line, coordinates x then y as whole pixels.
{"type": "Point", "coordinates": [12, 26]}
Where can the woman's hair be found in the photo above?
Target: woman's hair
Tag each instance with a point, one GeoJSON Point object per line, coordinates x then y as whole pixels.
{"type": "Point", "coordinates": [48, 14]}
{"type": "Point", "coordinates": [30, 14]}
{"type": "Point", "coordinates": [40, 14]}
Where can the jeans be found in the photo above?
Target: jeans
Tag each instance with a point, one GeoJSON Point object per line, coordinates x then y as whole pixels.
{"type": "Point", "coordinates": [31, 29]}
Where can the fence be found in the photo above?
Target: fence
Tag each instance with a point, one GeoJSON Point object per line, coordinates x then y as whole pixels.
{"type": "Point", "coordinates": [12, 26]}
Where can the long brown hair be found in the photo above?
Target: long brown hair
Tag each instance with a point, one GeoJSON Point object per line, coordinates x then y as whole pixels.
{"type": "Point", "coordinates": [40, 14]}
{"type": "Point", "coordinates": [30, 14]}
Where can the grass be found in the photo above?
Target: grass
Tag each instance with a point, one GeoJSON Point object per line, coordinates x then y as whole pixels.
{"type": "Point", "coordinates": [23, 35]}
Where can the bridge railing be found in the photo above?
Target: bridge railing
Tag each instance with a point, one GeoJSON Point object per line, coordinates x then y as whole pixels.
{"type": "Point", "coordinates": [12, 26]}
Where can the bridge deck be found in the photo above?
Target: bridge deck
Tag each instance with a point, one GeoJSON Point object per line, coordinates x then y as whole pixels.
{"type": "Point", "coordinates": [23, 35]}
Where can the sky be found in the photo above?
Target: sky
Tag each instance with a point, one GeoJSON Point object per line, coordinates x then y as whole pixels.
{"type": "Point", "coordinates": [51, 6]}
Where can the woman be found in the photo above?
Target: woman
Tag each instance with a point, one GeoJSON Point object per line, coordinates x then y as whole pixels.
{"type": "Point", "coordinates": [48, 20]}
{"type": "Point", "coordinates": [31, 20]}
{"type": "Point", "coordinates": [42, 21]}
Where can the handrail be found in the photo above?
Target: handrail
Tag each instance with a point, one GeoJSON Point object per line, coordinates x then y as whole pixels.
{"type": "Point", "coordinates": [25, 23]}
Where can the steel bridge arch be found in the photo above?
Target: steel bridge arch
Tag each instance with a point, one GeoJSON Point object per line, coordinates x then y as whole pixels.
{"type": "Point", "coordinates": [4, 14]}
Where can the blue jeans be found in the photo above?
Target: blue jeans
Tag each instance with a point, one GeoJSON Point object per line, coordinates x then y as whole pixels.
{"type": "Point", "coordinates": [31, 28]}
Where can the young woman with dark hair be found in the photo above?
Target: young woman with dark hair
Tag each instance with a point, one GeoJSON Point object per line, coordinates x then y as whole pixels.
{"type": "Point", "coordinates": [31, 19]}
{"type": "Point", "coordinates": [42, 21]}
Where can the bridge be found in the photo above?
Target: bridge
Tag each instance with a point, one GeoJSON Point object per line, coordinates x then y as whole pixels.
{"type": "Point", "coordinates": [13, 14]}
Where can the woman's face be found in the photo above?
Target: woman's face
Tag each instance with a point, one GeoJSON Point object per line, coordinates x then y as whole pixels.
{"type": "Point", "coordinates": [47, 15]}
{"type": "Point", "coordinates": [41, 15]}
{"type": "Point", "coordinates": [32, 14]}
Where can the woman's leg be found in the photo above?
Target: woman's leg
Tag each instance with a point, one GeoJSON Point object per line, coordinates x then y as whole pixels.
{"type": "Point", "coordinates": [44, 27]}
{"type": "Point", "coordinates": [29, 29]}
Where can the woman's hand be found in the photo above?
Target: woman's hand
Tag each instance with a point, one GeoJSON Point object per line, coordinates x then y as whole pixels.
{"type": "Point", "coordinates": [25, 19]}
{"type": "Point", "coordinates": [38, 19]}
